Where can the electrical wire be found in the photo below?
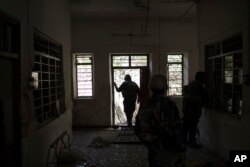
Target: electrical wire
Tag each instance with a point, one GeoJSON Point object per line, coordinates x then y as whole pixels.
{"type": "Point", "coordinates": [186, 12]}
{"type": "Point", "coordinates": [147, 17]}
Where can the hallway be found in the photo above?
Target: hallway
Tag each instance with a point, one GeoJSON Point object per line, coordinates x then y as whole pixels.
{"type": "Point", "coordinates": [58, 64]}
{"type": "Point", "coordinates": [93, 147]}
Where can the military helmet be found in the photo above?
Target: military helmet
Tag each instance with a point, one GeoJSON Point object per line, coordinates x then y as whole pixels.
{"type": "Point", "coordinates": [127, 77]}
{"type": "Point", "coordinates": [158, 82]}
{"type": "Point", "coordinates": [200, 76]}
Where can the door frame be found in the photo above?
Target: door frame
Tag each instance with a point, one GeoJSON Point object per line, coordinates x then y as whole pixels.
{"type": "Point", "coordinates": [124, 67]}
{"type": "Point", "coordinates": [13, 53]}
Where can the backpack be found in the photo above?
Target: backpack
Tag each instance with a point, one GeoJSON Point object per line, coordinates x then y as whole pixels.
{"type": "Point", "coordinates": [148, 121]}
{"type": "Point", "coordinates": [153, 124]}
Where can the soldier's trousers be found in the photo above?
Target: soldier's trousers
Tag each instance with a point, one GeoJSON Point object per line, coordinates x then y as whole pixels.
{"type": "Point", "coordinates": [129, 108]}
{"type": "Point", "coordinates": [190, 129]}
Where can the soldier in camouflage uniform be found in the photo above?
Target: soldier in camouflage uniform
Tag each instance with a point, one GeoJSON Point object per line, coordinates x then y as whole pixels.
{"type": "Point", "coordinates": [159, 127]}
{"type": "Point", "coordinates": [131, 93]}
{"type": "Point", "coordinates": [194, 98]}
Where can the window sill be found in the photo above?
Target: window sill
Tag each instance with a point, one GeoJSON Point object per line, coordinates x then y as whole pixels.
{"type": "Point", "coordinates": [84, 98]}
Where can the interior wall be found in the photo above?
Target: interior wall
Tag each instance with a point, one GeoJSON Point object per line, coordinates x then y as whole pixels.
{"type": "Point", "coordinates": [95, 36]}
{"type": "Point", "coordinates": [51, 17]}
{"type": "Point", "coordinates": [218, 20]}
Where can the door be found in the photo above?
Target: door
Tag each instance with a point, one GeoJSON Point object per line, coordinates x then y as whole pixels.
{"type": "Point", "coordinates": [138, 73]}
{"type": "Point", "coordinates": [9, 111]}
{"type": "Point", "coordinates": [119, 115]}
{"type": "Point", "coordinates": [10, 92]}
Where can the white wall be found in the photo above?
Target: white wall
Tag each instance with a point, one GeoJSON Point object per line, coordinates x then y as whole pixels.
{"type": "Point", "coordinates": [218, 20]}
{"type": "Point", "coordinates": [52, 17]}
{"type": "Point", "coordinates": [94, 36]}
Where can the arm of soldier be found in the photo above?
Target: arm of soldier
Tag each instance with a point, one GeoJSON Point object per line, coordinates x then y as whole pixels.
{"type": "Point", "coordinates": [120, 88]}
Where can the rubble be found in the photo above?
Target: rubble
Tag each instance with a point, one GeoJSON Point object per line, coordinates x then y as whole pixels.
{"type": "Point", "coordinates": [99, 142]}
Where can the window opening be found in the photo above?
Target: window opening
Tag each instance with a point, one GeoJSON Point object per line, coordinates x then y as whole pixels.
{"type": "Point", "coordinates": [129, 60]}
{"type": "Point", "coordinates": [141, 61]}
{"type": "Point", "coordinates": [120, 61]}
{"type": "Point", "coordinates": [48, 73]}
{"type": "Point", "coordinates": [175, 74]}
{"type": "Point", "coordinates": [225, 72]}
{"type": "Point", "coordinates": [84, 74]}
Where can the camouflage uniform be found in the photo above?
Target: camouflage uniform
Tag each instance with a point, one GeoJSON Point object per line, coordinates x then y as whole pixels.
{"type": "Point", "coordinates": [164, 133]}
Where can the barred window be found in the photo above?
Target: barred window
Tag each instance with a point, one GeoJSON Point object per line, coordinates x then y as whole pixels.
{"type": "Point", "coordinates": [175, 74]}
{"type": "Point", "coordinates": [141, 61]}
{"type": "Point", "coordinates": [47, 74]}
{"type": "Point", "coordinates": [129, 60]}
{"type": "Point", "coordinates": [84, 74]}
{"type": "Point", "coordinates": [225, 75]}
{"type": "Point", "coordinates": [120, 61]}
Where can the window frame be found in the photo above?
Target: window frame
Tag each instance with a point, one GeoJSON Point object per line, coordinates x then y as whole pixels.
{"type": "Point", "coordinates": [50, 80]}
{"type": "Point", "coordinates": [218, 81]}
{"type": "Point", "coordinates": [182, 71]}
{"type": "Point", "coordinates": [129, 60]}
{"type": "Point", "coordinates": [76, 76]}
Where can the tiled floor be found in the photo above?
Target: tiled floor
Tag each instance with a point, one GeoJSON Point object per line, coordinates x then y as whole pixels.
{"type": "Point", "coordinates": [95, 148]}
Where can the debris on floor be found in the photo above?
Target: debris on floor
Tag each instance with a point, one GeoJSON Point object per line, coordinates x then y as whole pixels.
{"type": "Point", "coordinates": [129, 154]}
{"type": "Point", "coordinates": [75, 158]}
{"type": "Point", "coordinates": [126, 135]}
{"type": "Point", "coordinates": [99, 142]}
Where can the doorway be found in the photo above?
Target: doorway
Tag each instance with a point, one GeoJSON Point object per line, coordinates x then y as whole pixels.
{"type": "Point", "coordinates": [120, 118]}
{"type": "Point", "coordinates": [10, 139]}
{"type": "Point", "coordinates": [136, 65]}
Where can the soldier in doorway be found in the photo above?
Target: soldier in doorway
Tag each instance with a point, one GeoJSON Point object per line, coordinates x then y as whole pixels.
{"type": "Point", "coordinates": [131, 93]}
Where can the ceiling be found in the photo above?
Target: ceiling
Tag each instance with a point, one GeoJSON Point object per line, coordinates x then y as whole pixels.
{"type": "Point", "coordinates": [164, 9]}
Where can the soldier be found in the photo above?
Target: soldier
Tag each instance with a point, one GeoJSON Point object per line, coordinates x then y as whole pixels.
{"type": "Point", "coordinates": [131, 93]}
{"type": "Point", "coordinates": [194, 98]}
{"type": "Point", "coordinates": [159, 127]}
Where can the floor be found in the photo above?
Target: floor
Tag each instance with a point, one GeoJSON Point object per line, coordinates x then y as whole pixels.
{"type": "Point", "coordinates": [96, 147]}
